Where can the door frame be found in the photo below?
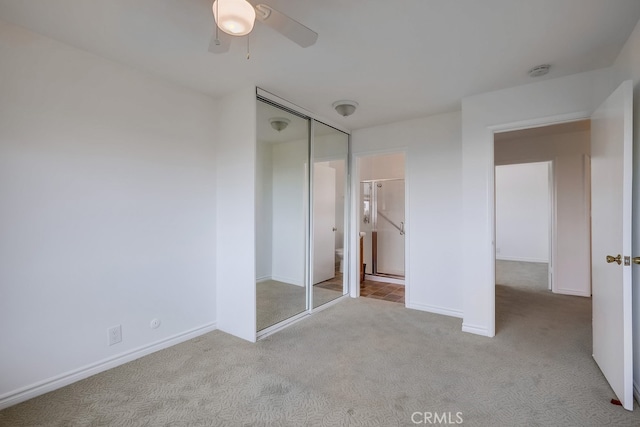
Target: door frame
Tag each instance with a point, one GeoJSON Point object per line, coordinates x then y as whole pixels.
{"type": "Point", "coordinates": [505, 127]}
{"type": "Point", "coordinates": [551, 214]}
{"type": "Point", "coordinates": [354, 253]}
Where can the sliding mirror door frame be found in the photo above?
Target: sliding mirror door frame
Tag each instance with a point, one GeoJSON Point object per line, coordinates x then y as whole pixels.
{"type": "Point", "coordinates": [282, 212]}
{"type": "Point", "coordinates": [312, 124]}
{"type": "Point", "coordinates": [329, 275]}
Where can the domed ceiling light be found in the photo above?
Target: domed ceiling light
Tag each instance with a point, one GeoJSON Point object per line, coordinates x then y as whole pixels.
{"type": "Point", "coordinates": [279, 123]}
{"type": "Point", "coordinates": [345, 107]}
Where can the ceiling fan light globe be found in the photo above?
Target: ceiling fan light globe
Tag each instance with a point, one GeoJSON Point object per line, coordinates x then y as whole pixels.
{"type": "Point", "coordinates": [234, 17]}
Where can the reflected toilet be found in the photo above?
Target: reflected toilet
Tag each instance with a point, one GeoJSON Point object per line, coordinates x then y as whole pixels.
{"type": "Point", "coordinates": [340, 257]}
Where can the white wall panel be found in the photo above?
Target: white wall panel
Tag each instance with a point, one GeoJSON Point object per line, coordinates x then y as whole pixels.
{"type": "Point", "coordinates": [432, 147]}
{"type": "Point", "coordinates": [236, 240]}
{"type": "Point", "coordinates": [107, 213]}
{"type": "Point", "coordinates": [538, 103]}
{"type": "Point", "coordinates": [523, 212]}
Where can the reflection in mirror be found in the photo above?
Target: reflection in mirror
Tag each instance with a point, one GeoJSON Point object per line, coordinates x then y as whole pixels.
{"type": "Point", "coordinates": [282, 158]}
{"type": "Point", "coordinates": [330, 152]}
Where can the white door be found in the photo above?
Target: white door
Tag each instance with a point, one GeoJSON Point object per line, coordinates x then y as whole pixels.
{"type": "Point", "coordinates": [611, 175]}
{"type": "Point", "coordinates": [324, 223]}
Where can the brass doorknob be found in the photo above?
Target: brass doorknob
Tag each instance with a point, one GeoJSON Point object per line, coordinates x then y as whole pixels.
{"type": "Point", "coordinates": [636, 259]}
{"type": "Point", "coordinates": [617, 259]}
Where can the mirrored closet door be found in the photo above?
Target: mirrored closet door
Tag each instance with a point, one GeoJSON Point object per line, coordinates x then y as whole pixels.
{"type": "Point", "coordinates": [282, 200]}
{"type": "Point", "coordinates": [330, 190]}
{"type": "Point", "coordinates": [301, 214]}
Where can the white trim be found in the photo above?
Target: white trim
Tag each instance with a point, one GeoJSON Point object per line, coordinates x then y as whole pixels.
{"type": "Point", "coordinates": [571, 292]}
{"type": "Point", "coordinates": [263, 279]}
{"type": "Point", "coordinates": [42, 387]}
{"type": "Point", "coordinates": [287, 280]}
{"type": "Point", "coordinates": [540, 122]}
{"type": "Point", "coordinates": [491, 219]}
{"type": "Point", "coordinates": [522, 259]}
{"type": "Point", "coordinates": [478, 330]}
{"type": "Point", "coordinates": [354, 229]}
{"type": "Point", "coordinates": [263, 333]}
{"type": "Point", "coordinates": [636, 391]}
{"type": "Point", "coordinates": [384, 279]}
{"type": "Point", "coordinates": [329, 303]}
{"type": "Point", "coordinates": [435, 309]}
{"type": "Point", "coordinates": [552, 225]}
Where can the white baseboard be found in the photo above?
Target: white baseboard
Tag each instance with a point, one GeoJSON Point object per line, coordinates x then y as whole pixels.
{"type": "Point", "coordinates": [515, 258]}
{"type": "Point", "coordinates": [287, 280]}
{"type": "Point", "coordinates": [42, 387]}
{"type": "Point", "coordinates": [435, 309]}
{"type": "Point", "coordinates": [473, 329]}
{"type": "Point", "coordinates": [571, 292]}
{"type": "Point", "coordinates": [263, 279]}
{"type": "Point", "coordinates": [636, 391]}
{"type": "Point", "coordinates": [384, 279]}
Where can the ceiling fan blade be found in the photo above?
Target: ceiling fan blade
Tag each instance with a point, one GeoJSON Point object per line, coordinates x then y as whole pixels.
{"type": "Point", "coordinates": [219, 44]}
{"type": "Point", "coordinates": [288, 27]}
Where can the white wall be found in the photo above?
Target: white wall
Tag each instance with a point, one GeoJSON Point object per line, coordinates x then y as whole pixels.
{"type": "Point", "coordinates": [235, 217]}
{"type": "Point", "coordinates": [523, 212]}
{"type": "Point", "coordinates": [382, 166]}
{"type": "Point", "coordinates": [544, 102]}
{"type": "Point", "coordinates": [627, 66]}
{"type": "Point", "coordinates": [341, 188]}
{"type": "Point", "coordinates": [433, 178]}
{"type": "Point", "coordinates": [107, 213]}
{"type": "Point", "coordinates": [569, 152]}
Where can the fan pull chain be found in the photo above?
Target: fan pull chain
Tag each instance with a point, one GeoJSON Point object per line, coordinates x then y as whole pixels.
{"type": "Point", "coordinates": [248, 51]}
{"type": "Point", "coordinates": [217, 41]}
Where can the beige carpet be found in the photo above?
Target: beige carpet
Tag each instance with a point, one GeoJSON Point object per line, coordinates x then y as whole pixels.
{"type": "Point", "coordinates": [521, 274]}
{"type": "Point", "coordinates": [361, 362]}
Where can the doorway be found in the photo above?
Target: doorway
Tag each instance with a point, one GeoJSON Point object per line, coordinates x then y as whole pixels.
{"type": "Point", "coordinates": [542, 211]}
{"type": "Point", "coordinates": [381, 215]}
{"type": "Point", "coordinates": [523, 209]}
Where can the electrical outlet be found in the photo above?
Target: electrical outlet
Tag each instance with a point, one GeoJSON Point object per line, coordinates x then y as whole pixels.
{"type": "Point", "coordinates": [115, 335]}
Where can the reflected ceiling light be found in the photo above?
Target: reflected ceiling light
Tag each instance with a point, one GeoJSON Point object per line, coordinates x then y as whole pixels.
{"type": "Point", "coordinates": [235, 17]}
{"type": "Point", "coordinates": [539, 70]}
{"type": "Point", "coordinates": [279, 123]}
{"type": "Point", "coordinates": [345, 108]}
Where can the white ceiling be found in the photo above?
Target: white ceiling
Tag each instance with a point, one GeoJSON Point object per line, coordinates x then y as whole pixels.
{"type": "Point", "coordinates": [399, 59]}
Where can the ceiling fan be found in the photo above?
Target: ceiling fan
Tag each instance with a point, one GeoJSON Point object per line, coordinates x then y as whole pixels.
{"type": "Point", "coordinates": [236, 18]}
